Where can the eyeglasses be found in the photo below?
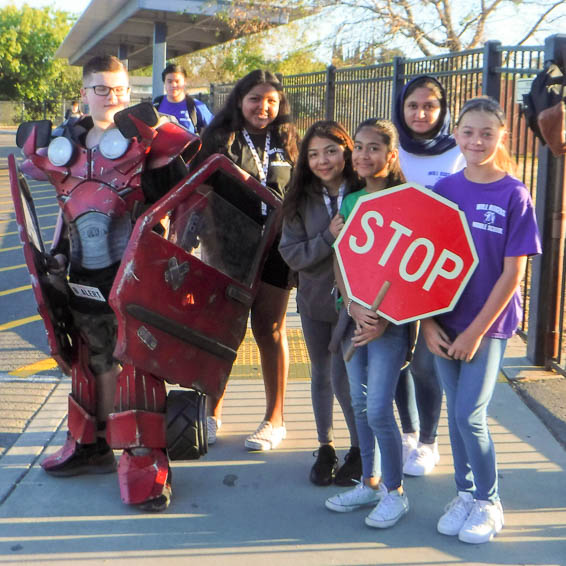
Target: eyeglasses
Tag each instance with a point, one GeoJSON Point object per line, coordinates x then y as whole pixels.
{"type": "Point", "coordinates": [103, 90]}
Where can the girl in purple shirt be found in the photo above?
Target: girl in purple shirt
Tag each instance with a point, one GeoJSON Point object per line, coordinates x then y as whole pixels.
{"type": "Point", "coordinates": [470, 341]}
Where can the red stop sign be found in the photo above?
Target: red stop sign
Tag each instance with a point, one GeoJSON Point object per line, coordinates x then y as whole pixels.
{"type": "Point", "coordinates": [415, 239]}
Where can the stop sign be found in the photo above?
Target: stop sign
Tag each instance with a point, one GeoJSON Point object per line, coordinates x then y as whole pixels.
{"type": "Point", "coordinates": [412, 238]}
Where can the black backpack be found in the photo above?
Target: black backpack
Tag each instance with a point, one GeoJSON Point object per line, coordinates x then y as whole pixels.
{"type": "Point", "coordinates": [547, 90]}
{"type": "Point", "coordinates": [191, 109]}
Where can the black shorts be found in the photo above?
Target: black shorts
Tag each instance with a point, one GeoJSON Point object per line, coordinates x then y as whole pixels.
{"type": "Point", "coordinates": [275, 271]}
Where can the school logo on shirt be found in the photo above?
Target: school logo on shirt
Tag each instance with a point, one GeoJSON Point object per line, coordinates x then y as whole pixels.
{"type": "Point", "coordinates": [491, 213]}
{"type": "Point", "coordinates": [277, 158]}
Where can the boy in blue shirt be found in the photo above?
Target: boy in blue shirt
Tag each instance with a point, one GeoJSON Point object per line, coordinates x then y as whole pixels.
{"type": "Point", "coordinates": [190, 112]}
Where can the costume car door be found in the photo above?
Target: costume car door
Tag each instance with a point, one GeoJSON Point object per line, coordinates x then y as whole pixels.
{"type": "Point", "coordinates": [183, 292]}
{"type": "Point", "coordinates": [51, 292]}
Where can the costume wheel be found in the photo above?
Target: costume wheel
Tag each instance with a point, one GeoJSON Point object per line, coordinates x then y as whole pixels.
{"type": "Point", "coordinates": [186, 425]}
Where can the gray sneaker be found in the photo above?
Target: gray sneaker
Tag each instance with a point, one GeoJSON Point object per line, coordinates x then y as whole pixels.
{"type": "Point", "coordinates": [212, 427]}
{"type": "Point", "coordinates": [356, 498]}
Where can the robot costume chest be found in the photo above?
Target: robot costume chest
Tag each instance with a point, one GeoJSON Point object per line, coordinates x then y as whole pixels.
{"type": "Point", "coordinates": [99, 191]}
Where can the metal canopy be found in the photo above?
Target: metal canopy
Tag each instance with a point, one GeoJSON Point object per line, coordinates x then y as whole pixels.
{"type": "Point", "coordinates": [127, 28]}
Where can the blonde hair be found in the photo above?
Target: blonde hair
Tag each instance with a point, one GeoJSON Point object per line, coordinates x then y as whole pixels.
{"type": "Point", "coordinates": [503, 159]}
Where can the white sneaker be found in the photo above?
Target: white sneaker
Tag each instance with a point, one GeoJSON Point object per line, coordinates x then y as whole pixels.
{"type": "Point", "coordinates": [483, 523]}
{"type": "Point", "coordinates": [266, 437]}
{"type": "Point", "coordinates": [455, 514]}
{"type": "Point", "coordinates": [389, 510]}
{"type": "Point", "coordinates": [212, 427]}
{"type": "Point", "coordinates": [355, 498]}
{"type": "Point", "coordinates": [422, 460]}
{"type": "Point", "coordinates": [409, 441]}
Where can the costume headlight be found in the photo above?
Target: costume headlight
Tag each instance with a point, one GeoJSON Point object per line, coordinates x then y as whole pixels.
{"type": "Point", "coordinates": [113, 144]}
{"type": "Point", "coordinates": [60, 151]}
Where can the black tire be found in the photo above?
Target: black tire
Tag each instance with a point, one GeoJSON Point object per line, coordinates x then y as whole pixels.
{"type": "Point", "coordinates": [186, 425]}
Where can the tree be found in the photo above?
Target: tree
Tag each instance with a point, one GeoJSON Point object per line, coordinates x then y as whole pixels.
{"type": "Point", "coordinates": [29, 71]}
{"type": "Point", "coordinates": [428, 26]}
{"type": "Point", "coordinates": [274, 49]}
{"type": "Point", "coordinates": [435, 26]}
{"type": "Point", "coordinates": [359, 56]}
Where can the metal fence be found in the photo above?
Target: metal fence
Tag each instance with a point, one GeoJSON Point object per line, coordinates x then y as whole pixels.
{"type": "Point", "coordinates": [350, 95]}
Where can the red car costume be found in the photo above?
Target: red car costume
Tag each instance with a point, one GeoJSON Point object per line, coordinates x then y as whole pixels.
{"type": "Point", "coordinates": [181, 295]}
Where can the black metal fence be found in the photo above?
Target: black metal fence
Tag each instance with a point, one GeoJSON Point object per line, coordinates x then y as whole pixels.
{"type": "Point", "coordinates": [350, 95]}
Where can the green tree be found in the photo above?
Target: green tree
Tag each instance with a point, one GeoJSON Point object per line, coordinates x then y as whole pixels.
{"type": "Point", "coordinates": [273, 49]}
{"type": "Point", "coordinates": [29, 71]}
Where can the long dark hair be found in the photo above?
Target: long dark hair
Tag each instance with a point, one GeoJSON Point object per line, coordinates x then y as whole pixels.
{"type": "Point", "coordinates": [222, 131]}
{"type": "Point", "coordinates": [388, 132]}
{"type": "Point", "coordinates": [304, 182]}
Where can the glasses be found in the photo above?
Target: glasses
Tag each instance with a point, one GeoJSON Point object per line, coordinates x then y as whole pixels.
{"type": "Point", "coordinates": [103, 90]}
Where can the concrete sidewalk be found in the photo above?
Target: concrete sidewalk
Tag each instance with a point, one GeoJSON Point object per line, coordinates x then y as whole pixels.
{"type": "Point", "coordinates": [233, 507]}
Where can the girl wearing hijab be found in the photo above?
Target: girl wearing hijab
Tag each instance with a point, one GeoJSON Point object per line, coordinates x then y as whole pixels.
{"type": "Point", "coordinates": [428, 153]}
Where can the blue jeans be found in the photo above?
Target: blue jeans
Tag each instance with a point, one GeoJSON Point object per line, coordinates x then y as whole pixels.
{"type": "Point", "coordinates": [469, 388]}
{"type": "Point", "coordinates": [373, 373]}
{"type": "Point", "coordinates": [419, 395]}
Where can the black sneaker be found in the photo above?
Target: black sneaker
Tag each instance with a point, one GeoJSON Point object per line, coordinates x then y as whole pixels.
{"type": "Point", "coordinates": [96, 458]}
{"type": "Point", "coordinates": [351, 471]}
{"type": "Point", "coordinates": [323, 470]}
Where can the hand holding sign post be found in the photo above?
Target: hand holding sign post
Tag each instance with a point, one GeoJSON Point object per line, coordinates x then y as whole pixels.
{"type": "Point", "coordinates": [416, 240]}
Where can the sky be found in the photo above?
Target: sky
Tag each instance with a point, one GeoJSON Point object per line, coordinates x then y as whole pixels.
{"type": "Point", "coordinates": [507, 27]}
{"type": "Point", "coordinates": [73, 6]}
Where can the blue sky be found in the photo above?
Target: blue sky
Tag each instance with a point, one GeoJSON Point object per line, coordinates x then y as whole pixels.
{"type": "Point", "coordinates": [507, 27]}
{"type": "Point", "coordinates": [73, 6]}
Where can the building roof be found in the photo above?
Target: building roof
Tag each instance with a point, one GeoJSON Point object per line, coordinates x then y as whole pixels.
{"type": "Point", "coordinates": [126, 28]}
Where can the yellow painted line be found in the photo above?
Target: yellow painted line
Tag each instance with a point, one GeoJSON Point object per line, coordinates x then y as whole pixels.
{"type": "Point", "coordinates": [17, 233]}
{"type": "Point", "coordinates": [15, 290]}
{"type": "Point", "coordinates": [11, 249]}
{"type": "Point", "coordinates": [39, 216]}
{"type": "Point", "coordinates": [19, 322]}
{"type": "Point", "coordinates": [52, 197]}
{"type": "Point", "coordinates": [31, 369]}
{"type": "Point", "coordinates": [12, 267]}
{"type": "Point", "coordinates": [10, 210]}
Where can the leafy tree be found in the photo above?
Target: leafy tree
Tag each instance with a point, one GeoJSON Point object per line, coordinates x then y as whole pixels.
{"type": "Point", "coordinates": [302, 60]}
{"type": "Point", "coordinates": [272, 49]}
{"type": "Point", "coordinates": [368, 55]}
{"type": "Point", "coordinates": [29, 71]}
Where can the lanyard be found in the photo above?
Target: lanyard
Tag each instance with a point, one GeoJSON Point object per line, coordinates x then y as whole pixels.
{"type": "Point", "coordinates": [262, 168]}
{"type": "Point", "coordinates": [340, 197]}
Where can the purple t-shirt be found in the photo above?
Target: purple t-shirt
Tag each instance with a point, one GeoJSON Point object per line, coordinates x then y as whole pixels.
{"type": "Point", "coordinates": [502, 223]}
